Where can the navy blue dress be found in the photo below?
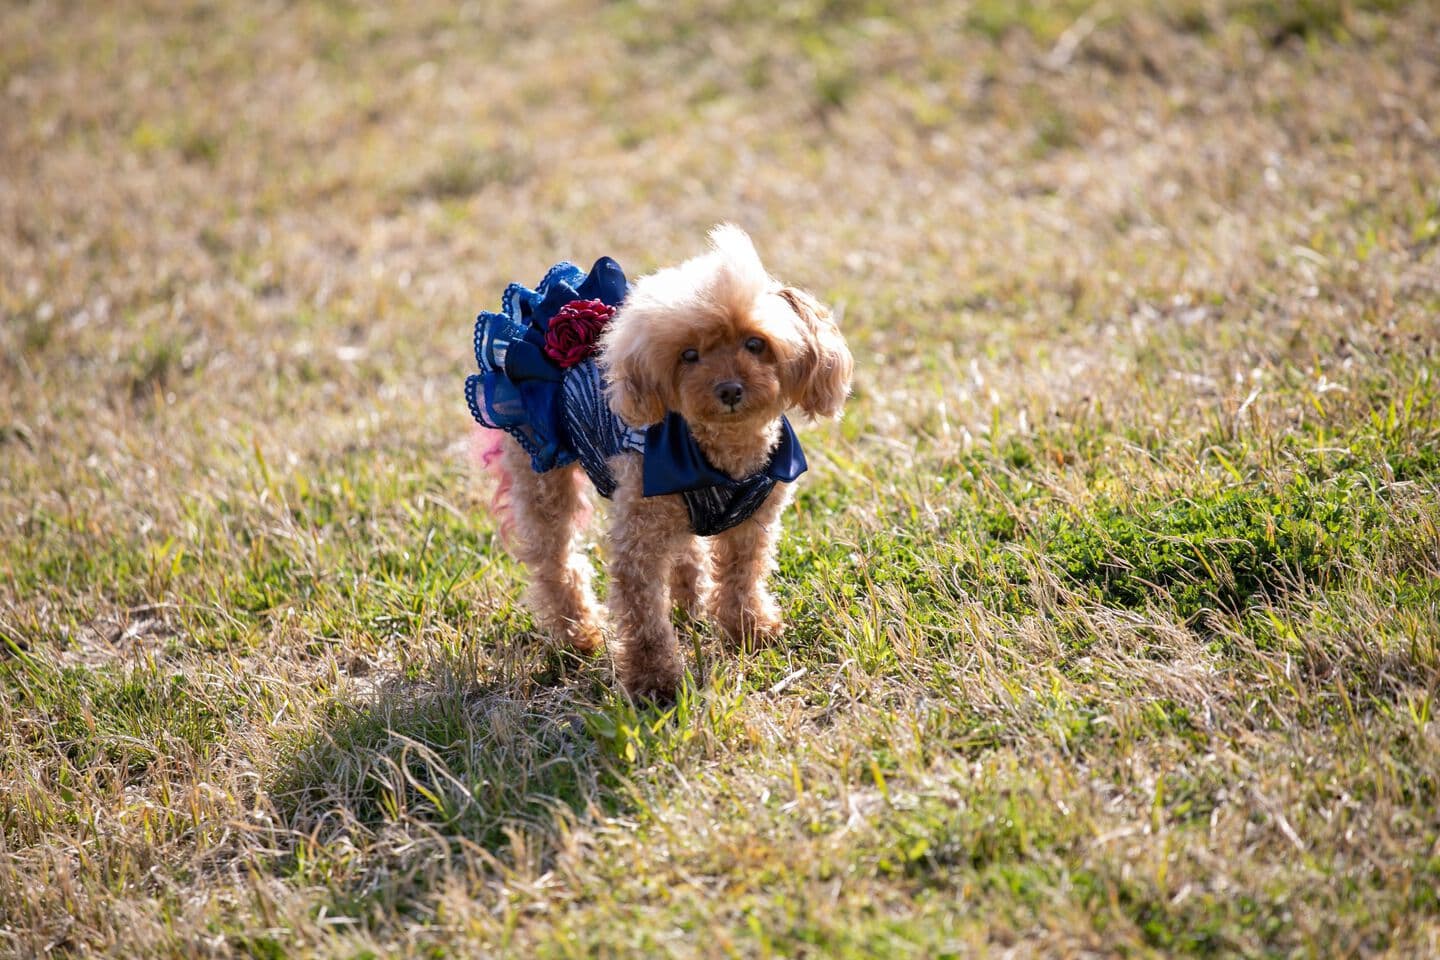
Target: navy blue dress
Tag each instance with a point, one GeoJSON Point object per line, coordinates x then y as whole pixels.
{"type": "Point", "coordinates": [560, 416]}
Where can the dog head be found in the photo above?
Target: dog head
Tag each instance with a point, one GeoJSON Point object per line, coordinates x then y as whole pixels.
{"type": "Point", "coordinates": [721, 342]}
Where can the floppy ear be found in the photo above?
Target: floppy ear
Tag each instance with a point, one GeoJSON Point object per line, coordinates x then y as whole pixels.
{"type": "Point", "coordinates": [825, 367]}
{"type": "Point", "coordinates": [632, 385]}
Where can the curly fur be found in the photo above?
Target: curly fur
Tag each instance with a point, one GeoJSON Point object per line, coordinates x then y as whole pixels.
{"type": "Point", "coordinates": [720, 341]}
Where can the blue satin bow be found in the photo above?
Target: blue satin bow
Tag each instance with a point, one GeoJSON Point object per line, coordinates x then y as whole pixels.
{"type": "Point", "coordinates": [674, 462]}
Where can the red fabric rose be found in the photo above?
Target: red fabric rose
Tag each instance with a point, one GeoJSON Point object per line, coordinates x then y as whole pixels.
{"type": "Point", "coordinates": [570, 338]}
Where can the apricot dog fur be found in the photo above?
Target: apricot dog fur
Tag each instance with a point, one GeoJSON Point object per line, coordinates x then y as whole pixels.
{"type": "Point", "coordinates": [683, 340]}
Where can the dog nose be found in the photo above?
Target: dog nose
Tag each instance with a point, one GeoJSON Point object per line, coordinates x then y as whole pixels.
{"type": "Point", "coordinates": [729, 392]}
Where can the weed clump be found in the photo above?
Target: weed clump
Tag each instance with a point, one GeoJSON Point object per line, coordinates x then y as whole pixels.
{"type": "Point", "coordinates": [1216, 550]}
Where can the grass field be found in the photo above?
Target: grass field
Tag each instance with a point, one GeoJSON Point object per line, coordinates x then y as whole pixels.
{"type": "Point", "coordinates": [1114, 600]}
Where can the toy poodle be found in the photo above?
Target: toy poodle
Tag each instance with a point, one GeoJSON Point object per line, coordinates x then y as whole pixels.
{"type": "Point", "coordinates": [670, 395]}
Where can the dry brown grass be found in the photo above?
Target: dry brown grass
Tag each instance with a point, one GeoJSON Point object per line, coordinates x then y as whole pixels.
{"type": "Point", "coordinates": [1113, 598]}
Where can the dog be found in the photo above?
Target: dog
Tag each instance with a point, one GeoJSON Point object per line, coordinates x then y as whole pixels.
{"type": "Point", "coordinates": [694, 374]}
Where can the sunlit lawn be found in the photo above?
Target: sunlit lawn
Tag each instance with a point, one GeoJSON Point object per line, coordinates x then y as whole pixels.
{"type": "Point", "coordinates": [1113, 600]}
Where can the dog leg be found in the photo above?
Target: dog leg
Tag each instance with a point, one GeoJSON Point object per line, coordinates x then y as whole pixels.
{"type": "Point", "coordinates": [744, 558]}
{"type": "Point", "coordinates": [546, 509]}
{"type": "Point", "coordinates": [690, 583]}
{"type": "Point", "coordinates": [646, 537]}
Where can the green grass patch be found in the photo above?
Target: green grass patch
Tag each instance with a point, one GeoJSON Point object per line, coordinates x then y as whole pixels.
{"type": "Point", "coordinates": [127, 718]}
{"type": "Point", "coordinates": [1219, 550]}
{"type": "Point", "coordinates": [1280, 20]}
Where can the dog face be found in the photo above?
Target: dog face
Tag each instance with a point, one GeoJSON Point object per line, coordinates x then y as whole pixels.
{"type": "Point", "coordinates": [726, 364]}
{"type": "Point", "coordinates": [720, 342]}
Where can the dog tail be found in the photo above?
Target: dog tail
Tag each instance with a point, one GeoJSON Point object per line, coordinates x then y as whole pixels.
{"type": "Point", "coordinates": [486, 450]}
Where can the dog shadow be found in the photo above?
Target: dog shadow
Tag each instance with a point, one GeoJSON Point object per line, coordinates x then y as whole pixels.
{"type": "Point", "coordinates": [451, 764]}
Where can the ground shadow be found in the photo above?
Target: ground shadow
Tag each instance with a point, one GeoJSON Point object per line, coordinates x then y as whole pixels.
{"type": "Point", "coordinates": [446, 768]}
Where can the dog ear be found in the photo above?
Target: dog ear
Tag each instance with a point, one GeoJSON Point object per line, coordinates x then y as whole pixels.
{"type": "Point", "coordinates": [632, 388]}
{"type": "Point", "coordinates": [822, 380]}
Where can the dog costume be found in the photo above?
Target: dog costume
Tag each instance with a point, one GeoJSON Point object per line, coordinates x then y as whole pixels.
{"type": "Point", "coordinates": [540, 383]}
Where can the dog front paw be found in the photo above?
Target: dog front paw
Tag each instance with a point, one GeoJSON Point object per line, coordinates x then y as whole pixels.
{"type": "Point", "coordinates": [656, 682]}
{"type": "Point", "coordinates": [692, 598]}
{"type": "Point", "coordinates": [751, 624]}
{"type": "Point", "coordinates": [649, 670]}
{"type": "Point", "coordinates": [691, 587]}
{"type": "Point", "coordinates": [584, 637]}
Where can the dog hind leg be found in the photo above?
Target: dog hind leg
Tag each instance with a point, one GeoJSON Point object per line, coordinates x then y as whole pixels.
{"type": "Point", "coordinates": [546, 512]}
{"type": "Point", "coordinates": [690, 581]}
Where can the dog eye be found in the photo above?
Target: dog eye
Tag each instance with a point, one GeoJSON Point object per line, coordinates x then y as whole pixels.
{"type": "Point", "coordinates": [755, 345]}
{"type": "Point", "coordinates": [691, 356]}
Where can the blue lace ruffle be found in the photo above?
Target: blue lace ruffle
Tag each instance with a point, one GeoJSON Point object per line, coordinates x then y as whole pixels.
{"type": "Point", "coordinates": [519, 389]}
